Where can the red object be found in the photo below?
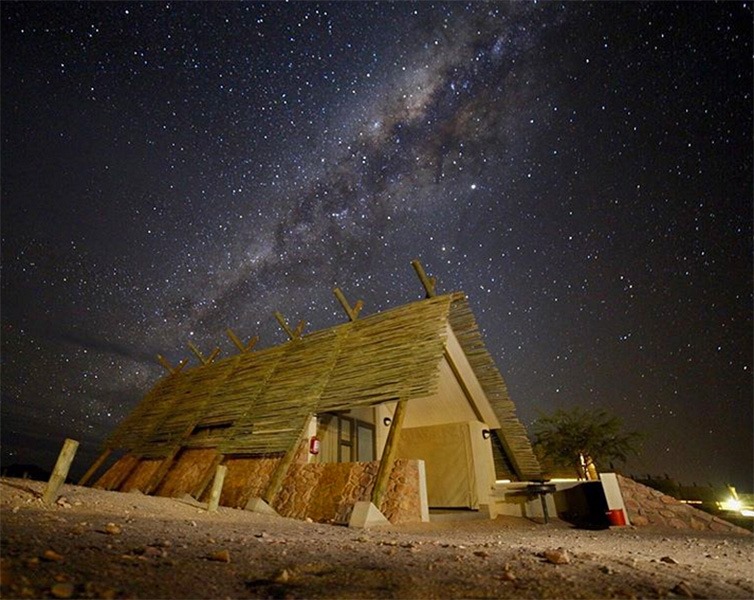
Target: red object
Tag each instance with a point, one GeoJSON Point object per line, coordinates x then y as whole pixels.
{"type": "Point", "coordinates": [314, 446]}
{"type": "Point", "coordinates": [616, 517]}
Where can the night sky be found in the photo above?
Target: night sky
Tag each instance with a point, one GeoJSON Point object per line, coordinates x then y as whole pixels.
{"type": "Point", "coordinates": [583, 171]}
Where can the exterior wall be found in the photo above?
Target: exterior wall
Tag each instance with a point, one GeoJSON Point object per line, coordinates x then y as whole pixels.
{"type": "Point", "coordinates": [321, 492]}
{"type": "Point", "coordinates": [328, 492]}
{"type": "Point", "coordinates": [192, 466]}
{"type": "Point", "coordinates": [246, 478]}
{"type": "Point", "coordinates": [117, 473]}
{"type": "Point", "coordinates": [647, 506]}
{"type": "Point", "coordinates": [140, 477]}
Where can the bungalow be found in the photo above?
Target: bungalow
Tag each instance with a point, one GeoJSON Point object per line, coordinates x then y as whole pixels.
{"type": "Point", "coordinates": [404, 409]}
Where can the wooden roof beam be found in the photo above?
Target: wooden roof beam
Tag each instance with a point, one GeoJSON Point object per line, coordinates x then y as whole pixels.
{"type": "Point", "coordinates": [243, 348]}
{"type": "Point", "coordinates": [170, 368]}
{"type": "Point", "coordinates": [429, 283]}
{"type": "Point", "coordinates": [205, 360]}
{"type": "Point", "coordinates": [294, 334]}
{"type": "Point", "coordinates": [353, 313]}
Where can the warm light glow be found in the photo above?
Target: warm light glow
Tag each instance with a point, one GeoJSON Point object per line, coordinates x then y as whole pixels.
{"type": "Point", "coordinates": [732, 504]}
{"type": "Point", "coordinates": [747, 513]}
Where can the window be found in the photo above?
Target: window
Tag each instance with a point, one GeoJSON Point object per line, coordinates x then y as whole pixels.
{"type": "Point", "coordinates": [345, 439]}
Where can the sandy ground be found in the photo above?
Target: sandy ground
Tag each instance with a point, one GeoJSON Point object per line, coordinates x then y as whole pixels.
{"type": "Point", "coordinates": [96, 544]}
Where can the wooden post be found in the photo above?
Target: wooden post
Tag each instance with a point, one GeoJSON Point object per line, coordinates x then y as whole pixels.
{"type": "Point", "coordinates": [294, 334]}
{"type": "Point", "coordinates": [388, 454]}
{"type": "Point", "coordinates": [217, 488]}
{"type": "Point", "coordinates": [278, 475]}
{"type": "Point", "coordinates": [60, 472]}
{"type": "Point", "coordinates": [429, 283]}
{"type": "Point", "coordinates": [96, 465]}
{"type": "Point", "coordinates": [205, 360]}
{"type": "Point", "coordinates": [170, 368]}
{"type": "Point", "coordinates": [198, 491]}
{"type": "Point", "coordinates": [353, 313]}
{"type": "Point", "coordinates": [238, 343]}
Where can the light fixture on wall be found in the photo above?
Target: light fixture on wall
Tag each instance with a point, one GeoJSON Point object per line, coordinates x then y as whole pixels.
{"type": "Point", "coordinates": [486, 434]}
{"type": "Point", "coordinates": [386, 421]}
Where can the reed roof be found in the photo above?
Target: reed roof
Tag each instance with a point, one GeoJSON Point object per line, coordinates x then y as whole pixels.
{"type": "Point", "coordinates": [258, 402]}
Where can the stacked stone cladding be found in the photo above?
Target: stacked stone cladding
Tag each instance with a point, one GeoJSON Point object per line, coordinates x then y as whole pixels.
{"type": "Point", "coordinates": [650, 507]}
{"type": "Point", "coordinates": [327, 492]}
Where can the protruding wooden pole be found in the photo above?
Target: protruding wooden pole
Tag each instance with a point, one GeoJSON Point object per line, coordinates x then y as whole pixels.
{"type": "Point", "coordinates": [238, 343]}
{"type": "Point", "coordinates": [388, 454]}
{"type": "Point", "coordinates": [294, 334]}
{"type": "Point", "coordinates": [96, 465]}
{"type": "Point", "coordinates": [170, 368]}
{"type": "Point", "coordinates": [217, 488]}
{"type": "Point", "coordinates": [353, 313]}
{"type": "Point", "coordinates": [429, 283]}
{"type": "Point", "coordinates": [60, 472]}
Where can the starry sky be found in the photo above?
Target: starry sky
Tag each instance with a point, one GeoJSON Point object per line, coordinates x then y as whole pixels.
{"type": "Point", "coordinates": [583, 171]}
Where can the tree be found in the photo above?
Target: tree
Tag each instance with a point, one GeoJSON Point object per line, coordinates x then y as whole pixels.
{"type": "Point", "coordinates": [577, 438]}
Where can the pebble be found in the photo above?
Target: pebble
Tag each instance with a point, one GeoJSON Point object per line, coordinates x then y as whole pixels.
{"type": "Point", "coordinates": [111, 529]}
{"type": "Point", "coordinates": [481, 554]}
{"type": "Point", "coordinates": [63, 502]}
{"type": "Point", "coordinates": [220, 556]}
{"type": "Point", "coordinates": [62, 590]}
{"type": "Point", "coordinates": [669, 559]}
{"type": "Point", "coordinates": [683, 589]}
{"type": "Point", "coordinates": [557, 556]}
{"type": "Point", "coordinates": [52, 556]}
{"type": "Point", "coordinates": [282, 577]}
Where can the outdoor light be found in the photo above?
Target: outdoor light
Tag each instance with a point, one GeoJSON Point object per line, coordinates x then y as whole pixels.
{"type": "Point", "coordinates": [486, 434]}
{"type": "Point", "coordinates": [386, 421]}
{"type": "Point", "coordinates": [731, 504]}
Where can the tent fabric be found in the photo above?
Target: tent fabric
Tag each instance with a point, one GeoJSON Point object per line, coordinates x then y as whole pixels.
{"type": "Point", "coordinates": [449, 463]}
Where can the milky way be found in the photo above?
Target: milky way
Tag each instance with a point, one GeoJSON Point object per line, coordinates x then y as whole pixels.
{"type": "Point", "coordinates": [582, 171]}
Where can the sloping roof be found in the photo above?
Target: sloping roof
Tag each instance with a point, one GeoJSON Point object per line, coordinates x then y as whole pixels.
{"type": "Point", "coordinates": [258, 402]}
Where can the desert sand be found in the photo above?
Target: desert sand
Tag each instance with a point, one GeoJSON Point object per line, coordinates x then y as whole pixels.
{"type": "Point", "coordinates": [97, 544]}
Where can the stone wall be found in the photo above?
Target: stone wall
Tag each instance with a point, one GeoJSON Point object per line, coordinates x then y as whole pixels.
{"type": "Point", "coordinates": [327, 492]}
{"type": "Point", "coordinates": [647, 506]}
{"type": "Point", "coordinates": [323, 492]}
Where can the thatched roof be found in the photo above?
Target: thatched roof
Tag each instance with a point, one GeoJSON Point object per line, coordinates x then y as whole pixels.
{"type": "Point", "coordinates": [258, 402]}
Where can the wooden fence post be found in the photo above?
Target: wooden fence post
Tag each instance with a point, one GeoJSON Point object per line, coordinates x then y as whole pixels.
{"type": "Point", "coordinates": [217, 488]}
{"type": "Point", "coordinates": [60, 472]}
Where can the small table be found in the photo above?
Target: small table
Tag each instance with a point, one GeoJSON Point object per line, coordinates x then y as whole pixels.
{"type": "Point", "coordinates": [541, 489]}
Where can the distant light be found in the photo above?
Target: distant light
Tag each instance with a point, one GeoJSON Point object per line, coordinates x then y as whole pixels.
{"type": "Point", "coordinates": [732, 504]}
{"type": "Point", "coordinates": [473, 186]}
{"type": "Point", "coordinates": [745, 512]}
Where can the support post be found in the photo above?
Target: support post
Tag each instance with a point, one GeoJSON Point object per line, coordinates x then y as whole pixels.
{"type": "Point", "coordinates": [199, 490]}
{"type": "Point", "coordinates": [388, 454]}
{"type": "Point", "coordinates": [96, 465]}
{"type": "Point", "coordinates": [217, 488]}
{"type": "Point", "coordinates": [60, 472]}
{"type": "Point", "coordinates": [278, 475]}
